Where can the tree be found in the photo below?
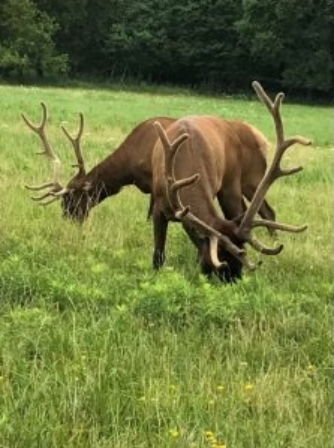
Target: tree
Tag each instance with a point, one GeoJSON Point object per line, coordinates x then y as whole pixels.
{"type": "Point", "coordinates": [81, 31]}
{"type": "Point", "coordinates": [221, 43]}
{"type": "Point", "coordinates": [290, 41]}
{"type": "Point", "coordinates": [181, 42]}
{"type": "Point", "coordinates": [27, 48]}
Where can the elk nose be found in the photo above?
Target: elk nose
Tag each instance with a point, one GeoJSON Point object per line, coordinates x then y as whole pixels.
{"type": "Point", "coordinates": [75, 217]}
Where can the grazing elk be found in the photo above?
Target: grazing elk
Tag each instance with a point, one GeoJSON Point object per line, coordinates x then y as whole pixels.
{"type": "Point", "coordinates": [130, 164]}
{"type": "Point", "coordinates": [198, 158]}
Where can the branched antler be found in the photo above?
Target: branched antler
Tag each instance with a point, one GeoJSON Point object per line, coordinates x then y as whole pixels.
{"type": "Point", "coordinates": [274, 172]}
{"type": "Point", "coordinates": [55, 188]}
{"type": "Point", "coordinates": [76, 145]}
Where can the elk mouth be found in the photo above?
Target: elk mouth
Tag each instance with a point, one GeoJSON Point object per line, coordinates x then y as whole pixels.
{"type": "Point", "coordinates": [74, 211]}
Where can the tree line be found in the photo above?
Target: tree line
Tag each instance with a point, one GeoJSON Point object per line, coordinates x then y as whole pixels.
{"type": "Point", "coordinates": [223, 44]}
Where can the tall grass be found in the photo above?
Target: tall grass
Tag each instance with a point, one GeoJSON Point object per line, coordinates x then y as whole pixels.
{"type": "Point", "coordinates": [99, 351]}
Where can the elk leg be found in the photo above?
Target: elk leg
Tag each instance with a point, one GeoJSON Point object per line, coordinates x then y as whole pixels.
{"type": "Point", "coordinates": [160, 225]}
{"type": "Point", "coordinates": [231, 202]}
{"type": "Point", "coordinates": [195, 239]}
{"type": "Point", "coordinates": [267, 212]}
{"type": "Point", "coordinates": [150, 207]}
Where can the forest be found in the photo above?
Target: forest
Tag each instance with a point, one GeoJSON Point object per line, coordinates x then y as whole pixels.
{"type": "Point", "coordinates": [221, 45]}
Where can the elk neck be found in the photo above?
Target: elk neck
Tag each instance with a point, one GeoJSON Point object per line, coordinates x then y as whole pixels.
{"type": "Point", "coordinates": [110, 175]}
{"type": "Point", "coordinates": [129, 164]}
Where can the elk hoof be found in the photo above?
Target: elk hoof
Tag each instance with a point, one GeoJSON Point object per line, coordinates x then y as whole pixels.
{"type": "Point", "coordinates": [158, 259]}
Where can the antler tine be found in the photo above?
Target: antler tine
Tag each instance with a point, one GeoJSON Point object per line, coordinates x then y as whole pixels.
{"type": "Point", "coordinates": [273, 107]}
{"type": "Point", "coordinates": [173, 186]}
{"type": "Point", "coordinates": [75, 141]}
{"type": "Point", "coordinates": [53, 199]}
{"type": "Point", "coordinates": [39, 129]}
{"type": "Point", "coordinates": [183, 213]}
{"type": "Point", "coordinates": [39, 187]}
{"type": "Point", "coordinates": [259, 247]}
{"type": "Point", "coordinates": [275, 171]}
{"type": "Point", "coordinates": [278, 226]}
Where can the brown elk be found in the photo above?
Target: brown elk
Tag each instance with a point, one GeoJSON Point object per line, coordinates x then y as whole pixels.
{"type": "Point", "coordinates": [130, 164]}
{"type": "Point", "coordinates": [197, 159]}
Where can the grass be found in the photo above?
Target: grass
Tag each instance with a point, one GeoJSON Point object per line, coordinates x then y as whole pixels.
{"type": "Point", "coordinates": [99, 351]}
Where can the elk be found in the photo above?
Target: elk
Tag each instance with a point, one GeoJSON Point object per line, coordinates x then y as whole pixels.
{"type": "Point", "coordinates": [130, 164]}
{"type": "Point", "coordinates": [197, 159]}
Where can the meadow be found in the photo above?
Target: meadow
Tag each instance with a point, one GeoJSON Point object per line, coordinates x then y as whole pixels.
{"type": "Point", "coordinates": [97, 350]}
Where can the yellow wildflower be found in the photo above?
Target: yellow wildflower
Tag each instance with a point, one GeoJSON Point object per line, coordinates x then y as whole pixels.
{"type": "Point", "coordinates": [311, 369]}
{"type": "Point", "coordinates": [210, 437]}
{"type": "Point", "coordinates": [220, 388]}
{"type": "Point", "coordinates": [174, 433]}
{"type": "Point", "coordinates": [249, 387]}
{"type": "Point", "coordinates": [209, 434]}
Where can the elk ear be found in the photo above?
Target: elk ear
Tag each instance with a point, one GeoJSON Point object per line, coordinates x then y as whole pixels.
{"type": "Point", "coordinates": [87, 186]}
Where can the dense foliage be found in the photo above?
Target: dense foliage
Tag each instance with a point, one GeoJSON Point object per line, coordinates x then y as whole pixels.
{"type": "Point", "coordinates": [221, 43]}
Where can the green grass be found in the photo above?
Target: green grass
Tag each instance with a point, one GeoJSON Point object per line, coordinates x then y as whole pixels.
{"type": "Point", "coordinates": [99, 351]}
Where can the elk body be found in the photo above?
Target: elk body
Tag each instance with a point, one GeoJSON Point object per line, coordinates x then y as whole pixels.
{"type": "Point", "coordinates": [197, 159]}
{"type": "Point", "coordinates": [130, 164]}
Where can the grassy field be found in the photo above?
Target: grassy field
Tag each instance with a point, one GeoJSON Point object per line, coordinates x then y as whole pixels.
{"type": "Point", "coordinates": [99, 351]}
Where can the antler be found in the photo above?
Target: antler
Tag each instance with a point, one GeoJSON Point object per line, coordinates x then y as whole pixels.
{"type": "Point", "coordinates": [183, 213]}
{"type": "Point", "coordinates": [76, 145]}
{"type": "Point", "coordinates": [56, 189]}
{"type": "Point", "coordinates": [274, 172]}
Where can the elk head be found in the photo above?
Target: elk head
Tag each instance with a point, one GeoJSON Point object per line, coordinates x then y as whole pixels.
{"type": "Point", "coordinates": [221, 242]}
{"type": "Point", "coordinates": [79, 195]}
